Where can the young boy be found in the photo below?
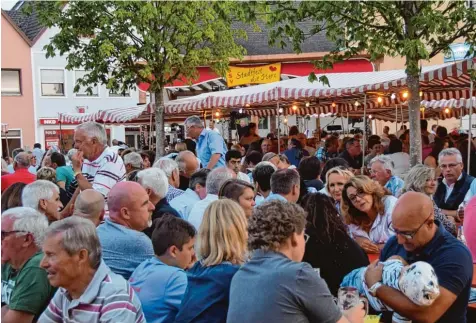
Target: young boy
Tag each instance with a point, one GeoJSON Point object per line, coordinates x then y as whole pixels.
{"type": "Point", "coordinates": [160, 282]}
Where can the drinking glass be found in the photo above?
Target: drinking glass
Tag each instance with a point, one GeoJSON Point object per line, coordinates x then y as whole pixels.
{"type": "Point", "coordinates": [348, 297]}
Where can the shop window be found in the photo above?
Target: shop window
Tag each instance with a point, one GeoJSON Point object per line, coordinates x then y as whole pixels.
{"type": "Point", "coordinates": [82, 92]}
{"type": "Point", "coordinates": [52, 82]}
{"type": "Point", "coordinates": [11, 82]}
{"type": "Point", "coordinates": [263, 123]}
{"type": "Point", "coordinates": [119, 94]}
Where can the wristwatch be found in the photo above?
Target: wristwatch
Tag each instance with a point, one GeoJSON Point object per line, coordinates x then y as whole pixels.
{"type": "Point", "coordinates": [373, 289]}
{"type": "Point", "coordinates": [77, 173]}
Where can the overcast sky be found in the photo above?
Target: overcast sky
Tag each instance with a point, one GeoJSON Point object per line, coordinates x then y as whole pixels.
{"type": "Point", "coordinates": [7, 5]}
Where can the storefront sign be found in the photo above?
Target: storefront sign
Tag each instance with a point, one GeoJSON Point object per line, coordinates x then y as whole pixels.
{"type": "Point", "coordinates": [253, 75]}
{"type": "Point", "coordinates": [457, 52]}
{"type": "Point", "coordinates": [49, 121]}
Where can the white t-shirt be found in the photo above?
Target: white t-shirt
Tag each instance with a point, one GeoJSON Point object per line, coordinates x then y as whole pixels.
{"type": "Point", "coordinates": [401, 163]}
{"type": "Point", "coordinates": [243, 177]}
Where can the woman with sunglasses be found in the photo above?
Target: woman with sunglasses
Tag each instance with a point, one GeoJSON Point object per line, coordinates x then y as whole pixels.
{"type": "Point", "coordinates": [367, 209]}
{"type": "Point", "coordinates": [422, 179]}
{"type": "Point", "coordinates": [241, 192]}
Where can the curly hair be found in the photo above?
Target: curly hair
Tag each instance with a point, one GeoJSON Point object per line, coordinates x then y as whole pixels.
{"type": "Point", "coordinates": [416, 178]}
{"type": "Point", "coordinates": [47, 173]}
{"type": "Point", "coordinates": [323, 221]}
{"type": "Point", "coordinates": [273, 222]}
{"type": "Point", "coordinates": [362, 184]}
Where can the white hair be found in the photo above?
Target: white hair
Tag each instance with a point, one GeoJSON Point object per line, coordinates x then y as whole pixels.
{"type": "Point", "coordinates": [28, 220]}
{"type": "Point", "coordinates": [71, 152]}
{"type": "Point", "coordinates": [386, 162]}
{"type": "Point", "coordinates": [93, 130]}
{"type": "Point", "coordinates": [76, 234]}
{"type": "Point", "coordinates": [167, 165]}
{"type": "Point", "coordinates": [36, 191]}
{"type": "Point", "coordinates": [133, 159]}
{"type": "Point", "coordinates": [266, 163]}
{"type": "Point", "coordinates": [450, 152]}
{"type": "Point", "coordinates": [193, 121]}
{"type": "Point", "coordinates": [216, 178]}
{"type": "Point", "coordinates": [154, 179]}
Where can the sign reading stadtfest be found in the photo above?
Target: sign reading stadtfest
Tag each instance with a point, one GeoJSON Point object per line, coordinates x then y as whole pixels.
{"type": "Point", "coordinates": [253, 75]}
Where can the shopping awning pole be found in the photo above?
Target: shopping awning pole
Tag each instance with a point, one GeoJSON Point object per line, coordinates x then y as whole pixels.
{"type": "Point", "coordinates": [365, 132]}
{"type": "Point", "coordinates": [279, 128]}
{"type": "Point", "coordinates": [396, 118]}
{"type": "Point", "coordinates": [470, 132]}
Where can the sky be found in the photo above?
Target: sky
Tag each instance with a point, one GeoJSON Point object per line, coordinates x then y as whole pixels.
{"type": "Point", "coordinates": [7, 5]}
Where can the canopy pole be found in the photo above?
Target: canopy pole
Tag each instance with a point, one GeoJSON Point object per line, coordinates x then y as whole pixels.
{"type": "Point", "coordinates": [401, 113]}
{"type": "Point", "coordinates": [365, 133]}
{"type": "Point", "coordinates": [348, 130]}
{"type": "Point", "coordinates": [470, 132]}
{"type": "Point", "coordinates": [396, 118]}
{"type": "Point", "coordinates": [279, 128]}
{"type": "Point", "coordinates": [61, 137]}
{"type": "Point", "coordinates": [461, 110]}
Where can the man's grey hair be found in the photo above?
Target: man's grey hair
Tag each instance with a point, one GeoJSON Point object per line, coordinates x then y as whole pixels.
{"type": "Point", "coordinates": [77, 234]}
{"type": "Point", "coordinates": [71, 152]}
{"type": "Point", "coordinates": [180, 159]}
{"type": "Point", "coordinates": [450, 152]}
{"type": "Point", "coordinates": [386, 162]}
{"type": "Point", "coordinates": [266, 163]}
{"type": "Point", "coordinates": [134, 159]}
{"type": "Point", "coordinates": [199, 177]}
{"type": "Point", "coordinates": [282, 181]}
{"type": "Point", "coordinates": [23, 159]}
{"type": "Point", "coordinates": [415, 180]}
{"type": "Point", "coordinates": [216, 178]}
{"type": "Point", "coordinates": [36, 191]}
{"type": "Point", "coordinates": [155, 179]}
{"type": "Point", "coordinates": [94, 130]}
{"type": "Point", "coordinates": [167, 165]}
{"type": "Point", "coordinates": [193, 121]}
{"type": "Point", "coordinates": [269, 156]}
{"type": "Point", "coordinates": [28, 220]}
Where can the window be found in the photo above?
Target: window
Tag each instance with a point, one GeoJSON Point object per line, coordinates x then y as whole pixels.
{"type": "Point", "coordinates": [82, 89]}
{"type": "Point", "coordinates": [11, 82]}
{"type": "Point", "coordinates": [263, 123]}
{"type": "Point", "coordinates": [118, 94]}
{"type": "Point", "coordinates": [52, 82]}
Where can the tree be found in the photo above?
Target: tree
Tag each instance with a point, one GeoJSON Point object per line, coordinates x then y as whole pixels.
{"type": "Point", "coordinates": [122, 43]}
{"type": "Point", "coordinates": [415, 30]}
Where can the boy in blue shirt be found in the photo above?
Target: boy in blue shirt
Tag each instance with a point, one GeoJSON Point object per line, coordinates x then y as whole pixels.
{"type": "Point", "coordinates": [160, 282]}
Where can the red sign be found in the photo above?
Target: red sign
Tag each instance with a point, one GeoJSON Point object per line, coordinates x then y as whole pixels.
{"type": "Point", "coordinates": [49, 121]}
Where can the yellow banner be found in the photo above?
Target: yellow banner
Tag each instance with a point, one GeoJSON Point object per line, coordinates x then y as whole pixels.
{"type": "Point", "coordinates": [253, 75]}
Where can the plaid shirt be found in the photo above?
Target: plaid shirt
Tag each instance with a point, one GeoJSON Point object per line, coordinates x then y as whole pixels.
{"type": "Point", "coordinates": [173, 193]}
{"type": "Point", "coordinates": [323, 155]}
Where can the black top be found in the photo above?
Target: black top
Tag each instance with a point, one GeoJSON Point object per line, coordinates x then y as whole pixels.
{"type": "Point", "coordinates": [184, 182]}
{"type": "Point", "coordinates": [355, 163]}
{"type": "Point", "coordinates": [334, 259]}
{"type": "Point", "coordinates": [161, 208]}
{"type": "Point", "coordinates": [457, 196]}
{"type": "Point", "coordinates": [64, 198]}
{"type": "Point", "coordinates": [316, 183]}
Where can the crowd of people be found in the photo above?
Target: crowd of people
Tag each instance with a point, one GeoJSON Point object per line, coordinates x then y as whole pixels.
{"type": "Point", "coordinates": [216, 232]}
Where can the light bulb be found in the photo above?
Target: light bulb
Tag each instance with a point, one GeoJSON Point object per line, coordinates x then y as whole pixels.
{"type": "Point", "coordinates": [285, 120]}
{"type": "Point", "coordinates": [447, 110]}
{"type": "Point", "coordinates": [379, 100]}
{"type": "Point", "coordinates": [333, 104]}
{"type": "Point", "coordinates": [356, 103]}
{"type": "Point", "coordinates": [370, 116]}
{"type": "Point", "coordinates": [421, 94]}
{"type": "Point", "coordinates": [307, 104]}
{"type": "Point", "coordinates": [217, 114]}
{"type": "Point", "coordinates": [294, 107]}
{"type": "Point", "coordinates": [393, 96]}
{"type": "Point", "coordinates": [241, 110]}
{"type": "Point", "coordinates": [247, 105]}
{"type": "Point", "coordinates": [280, 110]}
{"type": "Point", "coordinates": [405, 94]}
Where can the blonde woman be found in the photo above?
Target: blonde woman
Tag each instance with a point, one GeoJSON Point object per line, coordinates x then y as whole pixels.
{"type": "Point", "coordinates": [221, 244]}
{"type": "Point", "coordinates": [335, 180]}
{"type": "Point", "coordinates": [367, 209]}
{"type": "Point", "coordinates": [49, 174]}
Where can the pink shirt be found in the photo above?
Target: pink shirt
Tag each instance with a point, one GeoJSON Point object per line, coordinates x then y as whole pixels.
{"type": "Point", "coordinates": [469, 227]}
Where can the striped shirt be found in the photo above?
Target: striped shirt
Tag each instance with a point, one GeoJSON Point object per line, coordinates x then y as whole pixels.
{"type": "Point", "coordinates": [108, 298]}
{"type": "Point", "coordinates": [104, 172]}
{"type": "Point", "coordinates": [172, 193]}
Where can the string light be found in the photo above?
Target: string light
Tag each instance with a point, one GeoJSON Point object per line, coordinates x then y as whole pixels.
{"type": "Point", "coordinates": [370, 116]}
{"type": "Point", "coordinates": [421, 94]}
{"type": "Point", "coordinates": [217, 114]}
{"type": "Point", "coordinates": [247, 105]}
{"type": "Point", "coordinates": [447, 110]}
{"type": "Point", "coordinates": [280, 110]}
{"type": "Point", "coordinates": [285, 120]}
{"type": "Point", "coordinates": [307, 104]}
{"type": "Point", "coordinates": [333, 104]}
{"type": "Point", "coordinates": [405, 94]}
{"type": "Point", "coordinates": [241, 110]}
{"type": "Point", "coordinates": [393, 96]}
{"type": "Point", "coordinates": [294, 107]}
{"type": "Point", "coordinates": [379, 100]}
{"type": "Point", "coordinates": [356, 103]}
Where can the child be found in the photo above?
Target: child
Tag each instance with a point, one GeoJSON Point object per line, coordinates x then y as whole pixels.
{"type": "Point", "coordinates": [417, 281]}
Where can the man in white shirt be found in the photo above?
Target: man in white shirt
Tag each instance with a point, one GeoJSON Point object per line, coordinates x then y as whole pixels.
{"type": "Point", "coordinates": [211, 126]}
{"type": "Point", "coordinates": [233, 162]}
{"type": "Point", "coordinates": [214, 181]}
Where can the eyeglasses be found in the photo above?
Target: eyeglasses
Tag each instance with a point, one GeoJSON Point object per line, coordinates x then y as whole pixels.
{"type": "Point", "coordinates": [306, 237]}
{"type": "Point", "coordinates": [411, 234]}
{"type": "Point", "coordinates": [360, 194]}
{"type": "Point", "coordinates": [450, 166]}
{"type": "Point", "coordinates": [7, 233]}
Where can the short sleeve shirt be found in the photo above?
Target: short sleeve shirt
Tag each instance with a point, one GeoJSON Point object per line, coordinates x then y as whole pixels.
{"type": "Point", "coordinates": [452, 263]}
{"type": "Point", "coordinates": [65, 174]}
{"type": "Point", "coordinates": [295, 293]}
{"type": "Point", "coordinates": [27, 289]}
{"type": "Point", "coordinates": [209, 143]}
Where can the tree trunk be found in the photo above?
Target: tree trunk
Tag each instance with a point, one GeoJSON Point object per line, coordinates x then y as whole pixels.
{"type": "Point", "coordinates": [414, 118]}
{"type": "Point", "coordinates": [159, 124]}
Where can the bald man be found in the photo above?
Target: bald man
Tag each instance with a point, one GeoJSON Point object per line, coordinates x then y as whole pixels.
{"type": "Point", "coordinates": [124, 246]}
{"type": "Point", "coordinates": [419, 237]}
{"type": "Point", "coordinates": [90, 205]}
{"type": "Point", "coordinates": [188, 164]}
